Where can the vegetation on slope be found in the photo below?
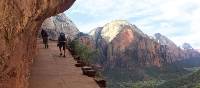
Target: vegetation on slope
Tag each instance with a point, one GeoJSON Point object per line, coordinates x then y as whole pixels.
{"type": "Point", "coordinates": [86, 54]}
{"type": "Point", "coordinates": [142, 77]}
{"type": "Point", "coordinates": [176, 75]}
{"type": "Point", "coordinates": [189, 81]}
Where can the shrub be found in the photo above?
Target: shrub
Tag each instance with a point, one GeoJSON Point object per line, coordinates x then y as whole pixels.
{"type": "Point", "coordinates": [86, 54]}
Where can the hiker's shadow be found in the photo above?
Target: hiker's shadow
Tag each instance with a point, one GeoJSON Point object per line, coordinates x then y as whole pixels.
{"type": "Point", "coordinates": [59, 56]}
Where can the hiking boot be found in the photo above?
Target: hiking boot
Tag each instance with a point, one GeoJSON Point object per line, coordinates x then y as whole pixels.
{"type": "Point", "coordinates": [60, 54]}
{"type": "Point", "coordinates": [64, 56]}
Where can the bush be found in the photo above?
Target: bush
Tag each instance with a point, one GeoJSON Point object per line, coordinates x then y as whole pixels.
{"type": "Point", "coordinates": [86, 54]}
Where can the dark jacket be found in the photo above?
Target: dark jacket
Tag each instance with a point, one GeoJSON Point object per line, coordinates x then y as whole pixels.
{"type": "Point", "coordinates": [44, 33]}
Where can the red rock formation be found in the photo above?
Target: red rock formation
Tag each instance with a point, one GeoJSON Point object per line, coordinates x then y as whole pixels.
{"type": "Point", "coordinates": [57, 24]}
{"type": "Point", "coordinates": [86, 40]}
{"type": "Point", "coordinates": [121, 44]}
{"type": "Point", "coordinates": [19, 21]}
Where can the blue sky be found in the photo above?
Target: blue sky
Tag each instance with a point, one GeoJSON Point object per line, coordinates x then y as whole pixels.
{"type": "Point", "coordinates": [177, 19]}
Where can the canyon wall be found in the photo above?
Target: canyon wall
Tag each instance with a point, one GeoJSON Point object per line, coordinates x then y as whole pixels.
{"type": "Point", "coordinates": [60, 23]}
{"type": "Point", "coordinates": [123, 45]}
{"type": "Point", "coordinates": [19, 23]}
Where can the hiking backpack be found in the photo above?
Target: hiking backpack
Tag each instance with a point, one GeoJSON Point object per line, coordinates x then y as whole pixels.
{"type": "Point", "coordinates": [62, 37]}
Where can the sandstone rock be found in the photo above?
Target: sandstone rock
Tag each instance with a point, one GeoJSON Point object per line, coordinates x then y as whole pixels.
{"type": "Point", "coordinates": [89, 71]}
{"type": "Point", "coordinates": [126, 45]}
{"type": "Point", "coordinates": [86, 68]}
{"type": "Point", "coordinates": [112, 29]}
{"type": "Point", "coordinates": [19, 23]}
{"type": "Point", "coordinates": [129, 54]}
{"type": "Point", "coordinates": [101, 82]}
{"type": "Point", "coordinates": [122, 44]}
{"type": "Point", "coordinates": [79, 65]}
{"type": "Point", "coordinates": [189, 51]}
{"type": "Point", "coordinates": [163, 40]}
{"type": "Point", "coordinates": [173, 52]}
{"type": "Point", "coordinates": [60, 23]}
{"type": "Point", "coordinates": [186, 46]}
{"type": "Point", "coordinates": [87, 41]}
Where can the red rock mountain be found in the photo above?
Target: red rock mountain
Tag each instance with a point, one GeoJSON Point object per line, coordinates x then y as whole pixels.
{"type": "Point", "coordinates": [122, 44]}
{"type": "Point", "coordinates": [60, 23]}
{"type": "Point", "coordinates": [190, 51]}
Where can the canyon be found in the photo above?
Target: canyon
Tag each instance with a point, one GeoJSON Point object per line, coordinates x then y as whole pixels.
{"type": "Point", "coordinates": [121, 42]}
{"type": "Point", "coordinates": [126, 54]}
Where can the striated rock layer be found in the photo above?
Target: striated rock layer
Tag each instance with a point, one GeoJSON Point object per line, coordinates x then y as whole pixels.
{"type": "Point", "coordinates": [60, 23]}
{"type": "Point", "coordinates": [19, 22]}
{"type": "Point", "coordinates": [123, 45]}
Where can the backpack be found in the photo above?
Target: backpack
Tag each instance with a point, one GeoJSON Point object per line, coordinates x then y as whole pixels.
{"type": "Point", "coordinates": [44, 33]}
{"type": "Point", "coordinates": [62, 37]}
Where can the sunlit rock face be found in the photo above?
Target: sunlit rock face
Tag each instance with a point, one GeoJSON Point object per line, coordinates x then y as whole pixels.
{"type": "Point", "coordinates": [87, 41]}
{"type": "Point", "coordinates": [19, 23]}
{"type": "Point", "coordinates": [190, 52]}
{"type": "Point", "coordinates": [186, 46]}
{"type": "Point", "coordinates": [173, 52]}
{"type": "Point", "coordinates": [60, 23]}
{"type": "Point", "coordinates": [163, 40]}
{"type": "Point", "coordinates": [122, 44]}
{"type": "Point", "coordinates": [112, 29]}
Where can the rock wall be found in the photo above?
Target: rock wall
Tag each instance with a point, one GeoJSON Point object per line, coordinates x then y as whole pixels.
{"type": "Point", "coordinates": [123, 45]}
{"type": "Point", "coordinates": [19, 23]}
{"type": "Point", "coordinates": [60, 23]}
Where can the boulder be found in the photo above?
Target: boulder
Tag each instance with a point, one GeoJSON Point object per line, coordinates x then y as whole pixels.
{"type": "Point", "coordinates": [101, 82]}
{"type": "Point", "coordinates": [89, 71]}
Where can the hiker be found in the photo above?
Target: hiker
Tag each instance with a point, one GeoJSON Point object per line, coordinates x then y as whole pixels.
{"type": "Point", "coordinates": [62, 43]}
{"type": "Point", "coordinates": [45, 38]}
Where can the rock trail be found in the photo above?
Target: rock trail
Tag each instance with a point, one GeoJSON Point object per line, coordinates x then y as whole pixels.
{"type": "Point", "coordinates": [49, 70]}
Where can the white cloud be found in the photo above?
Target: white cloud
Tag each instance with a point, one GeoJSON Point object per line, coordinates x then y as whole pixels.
{"type": "Point", "coordinates": [168, 17]}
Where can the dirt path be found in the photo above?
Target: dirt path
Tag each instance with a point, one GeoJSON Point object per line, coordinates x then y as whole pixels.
{"type": "Point", "coordinates": [49, 70]}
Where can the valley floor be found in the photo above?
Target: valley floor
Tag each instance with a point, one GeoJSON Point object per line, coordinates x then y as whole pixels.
{"type": "Point", "coordinates": [49, 70]}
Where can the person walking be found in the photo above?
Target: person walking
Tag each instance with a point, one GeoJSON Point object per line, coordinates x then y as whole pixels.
{"type": "Point", "coordinates": [62, 43]}
{"type": "Point", "coordinates": [45, 38]}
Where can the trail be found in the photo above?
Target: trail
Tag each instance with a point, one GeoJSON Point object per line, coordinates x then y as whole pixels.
{"type": "Point", "coordinates": [49, 70]}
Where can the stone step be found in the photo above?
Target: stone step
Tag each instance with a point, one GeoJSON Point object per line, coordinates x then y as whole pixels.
{"type": "Point", "coordinates": [86, 68]}
{"type": "Point", "coordinates": [90, 73]}
{"type": "Point", "coordinates": [101, 82]}
{"type": "Point", "coordinates": [79, 64]}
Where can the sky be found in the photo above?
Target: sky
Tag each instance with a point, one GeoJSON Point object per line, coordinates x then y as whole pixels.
{"type": "Point", "coordinates": [179, 20]}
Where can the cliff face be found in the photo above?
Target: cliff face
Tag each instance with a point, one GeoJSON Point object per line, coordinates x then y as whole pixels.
{"type": "Point", "coordinates": [190, 51]}
{"type": "Point", "coordinates": [126, 47]}
{"type": "Point", "coordinates": [86, 40]}
{"type": "Point", "coordinates": [171, 50]}
{"type": "Point", "coordinates": [122, 44]}
{"type": "Point", "coordinates": [19, 22]}
{"type": "Point", "coordinates": [60, 23]}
